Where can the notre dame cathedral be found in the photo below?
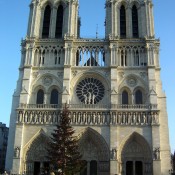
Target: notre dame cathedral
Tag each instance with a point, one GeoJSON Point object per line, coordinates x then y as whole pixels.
{"type": "Point", "coordinates": [112, 86]}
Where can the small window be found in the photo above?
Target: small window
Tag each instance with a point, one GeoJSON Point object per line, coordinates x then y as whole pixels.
{"type": "Point", "coordinates": [77, 58]}
{"type": "Point", "coordinates": [40, 97]}
{"type": "Point", "coordinates": [138, 97]}
{"type": "Point", "coordinates": [136, 58]}
{"type": "Point", "coordinates": [135, 30]}
{"type": "Point", "coordinates": [54, 97]}
{"type": "Point", "coordinates": [55, 57]}
{"type": "Point", "coordinates": [123, 58]}
{"type": "Point", "coordinates": [46, 22]}
{"type": "Point", "coordinates": [125, 98]}
{"type": "Point", "coordinates": [59, 22]}
{"type": "Point", "coordinates": [122, 21]}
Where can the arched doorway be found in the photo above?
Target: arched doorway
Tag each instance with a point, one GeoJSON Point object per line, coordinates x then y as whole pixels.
{"type": "Point", "coordinates": [136, 157]}
{"type": "Point", "coordinates": [36, 161]}
{"type": "Point", "coordinates": [95, 152]}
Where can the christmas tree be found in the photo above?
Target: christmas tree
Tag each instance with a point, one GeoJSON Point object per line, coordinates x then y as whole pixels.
{"type": "Point", "coordinates": [63, 151]}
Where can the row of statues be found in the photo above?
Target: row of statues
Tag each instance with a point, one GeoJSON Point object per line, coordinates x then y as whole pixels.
{"type": "Point", "coordinates": [100, 118]}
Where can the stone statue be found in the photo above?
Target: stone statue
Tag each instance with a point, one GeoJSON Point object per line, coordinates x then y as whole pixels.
{"type": "Point", "coordinates": [85, 99]}
{"type": "Point", "coordinates": [157, 154]}
{"type": "Point", "coordinates": [17, 152]}
{"type": "Point", "coordinates": [114, 154]}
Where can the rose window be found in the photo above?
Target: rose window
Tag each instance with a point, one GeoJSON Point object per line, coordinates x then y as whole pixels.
{"type": "Point", "coordinates": [90, 91]}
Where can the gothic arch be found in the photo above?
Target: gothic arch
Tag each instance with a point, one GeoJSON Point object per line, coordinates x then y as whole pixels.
{"type": "Point", "coordinates": [56, 81]}
{"type": "Point", "coordinates": [84, 74]}
{"type": "Point", "coordinates": [136, 3]}
{"type": "Point", "coordinates": [140, 82]}
{"type": "Point", "coordinates": [60, 2]}
{"type": "Point", "coordinates": [135, 145]}
{"type": "Point", "coordinates": [120, 3]}
{"type": "Point", "coordinates": [35, 149]}
{"type": "Point", "coordinates": [44, 3]}
{"type": "Point", "coordinates": [89, 74]}
{"type": "Point", "coordinates": [142, 91]}
{"type": "Point", "coordinates": [93, 146]}
{"type": "Point", "coordinates": [125, 89]}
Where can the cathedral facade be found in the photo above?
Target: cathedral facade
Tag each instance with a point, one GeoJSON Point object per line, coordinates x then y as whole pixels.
{"type": "Point", "coordinates": [112, 87]}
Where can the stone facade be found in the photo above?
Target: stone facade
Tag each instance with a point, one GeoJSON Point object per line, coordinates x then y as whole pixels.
{"type": "Point", "coordinates": [3, 145]}
{"type": "Point", "coordinates": [112, 86]}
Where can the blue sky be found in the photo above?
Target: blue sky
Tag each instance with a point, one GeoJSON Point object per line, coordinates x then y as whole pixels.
{"type": "Point", "coordinates": [13, 27]}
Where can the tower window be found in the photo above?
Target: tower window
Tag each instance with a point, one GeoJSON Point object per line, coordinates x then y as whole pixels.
{"type": "Point", "coordinates": [46, 22]}
{"type": "Point", "coordinates": [136, 58]}
{"type": "Point", "coordinates": [40, 97]}
{"type": "Point", "coordinates": [125, 100]}
{"type": "Point", "coordinates": [122, 21]}
{"type": "Point", "coordinates": [123, 58]}
{"type": "Point", "coordinates": [135, 30]}
{"type": "Point", "coordinates": [138, 97]}
{"type": "Point", "coordinates": [54, 97]}
{"type": "Point", "coordinates": [59, 22]}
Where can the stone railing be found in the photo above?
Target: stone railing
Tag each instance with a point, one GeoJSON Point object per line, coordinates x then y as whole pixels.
{"type": "Point", "coordinates": [89, 118]}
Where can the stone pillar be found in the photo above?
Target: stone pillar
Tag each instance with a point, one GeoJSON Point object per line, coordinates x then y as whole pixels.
{"type": "Point", "coordinates": [128, 22]}
{"type": "Point", "coordinates": [32, 19]}
{"type": "Point", "coordinates": [53, 22]}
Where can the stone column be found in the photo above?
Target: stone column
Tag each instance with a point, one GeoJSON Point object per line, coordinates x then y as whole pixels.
{"type": "Point", "coordinates": [53, 22]}
{"type": "Point", "coordinates": [128, 22]}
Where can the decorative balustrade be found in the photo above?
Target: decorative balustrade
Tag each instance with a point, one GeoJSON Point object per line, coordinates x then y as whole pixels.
{"type": "Point", "coordinates": [89, 118]}
{"type": "Point", "coordinates": [90, 106]}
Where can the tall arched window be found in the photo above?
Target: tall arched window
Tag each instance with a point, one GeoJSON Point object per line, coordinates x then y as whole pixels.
{"type": "Point", "coordinates": [125, 100]}
{"type": "Point", "coordinates": [122, 21]}
{"type": "Point", "coordinates": [54, 97]}
{"type": "Point", "coordinates": [59, 22]}
{"type": "Point", "coordinates": [46, 22]}
{"type": "Point", "coordinates": [40, 97]}
{"type": "Point", "coordinates": [138, 97]}
{"type": "Point", "coordinates": [135, 29]}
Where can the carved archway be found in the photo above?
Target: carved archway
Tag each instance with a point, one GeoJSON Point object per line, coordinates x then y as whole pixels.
{"type": "Point", "coordinates": [35, 152]}
{"type": "Point", "coordinates": [133, 151]}
{"type": "Point", "coordinates": [93, 147]}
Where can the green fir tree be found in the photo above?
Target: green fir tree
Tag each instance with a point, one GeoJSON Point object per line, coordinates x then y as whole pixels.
{"type": "Point", "coordinates": [63, 150]}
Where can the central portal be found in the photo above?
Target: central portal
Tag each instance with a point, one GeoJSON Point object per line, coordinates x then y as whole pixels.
{"type": "Point", "coordinates": [90, 168]}
{"type": "Point", "coordinates": [134, 168]}
{"type": "Point", "coordinates": [41, 168]}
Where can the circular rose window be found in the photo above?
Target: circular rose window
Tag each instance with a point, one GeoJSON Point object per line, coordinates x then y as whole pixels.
{"type": "Point", "coordinates": [90, 91]}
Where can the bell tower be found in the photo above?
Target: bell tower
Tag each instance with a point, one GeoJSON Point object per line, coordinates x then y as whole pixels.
{"type": "Point", "coordinates": [53, 19]}
{"type": "Point", "coordinates": [129, 19]}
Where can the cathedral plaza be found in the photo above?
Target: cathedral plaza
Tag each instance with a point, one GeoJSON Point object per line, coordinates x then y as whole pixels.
{"type": "Point", "coordinates": [111, 85]}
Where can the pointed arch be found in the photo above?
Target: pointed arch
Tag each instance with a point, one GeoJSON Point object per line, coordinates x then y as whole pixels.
{"type": "Point", "coordinates": [54, 96]}
{"type": "Point", "coordinates": [40, 97]}
{"type": "Point", "coordinates": [35, 153]}
{"type": "Point", "coordinates": [46, 22]}
{"type": "Point", "coordinates": [35, 149]}
{"type": "Point", "coordinates": [93, 145]}
{"type": "Point", "coordinates": [135, 145]}
{"type": "Point", "coordinates": [59, 22]}
{"type": "Point", "coordinates": [138, 97]}
{"type": "Point", "coordinates": [125, 98]}
{"type": "Point", "coordinates": [122, 21]}
{"type": "Point", "coordinates": [135, 27]}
